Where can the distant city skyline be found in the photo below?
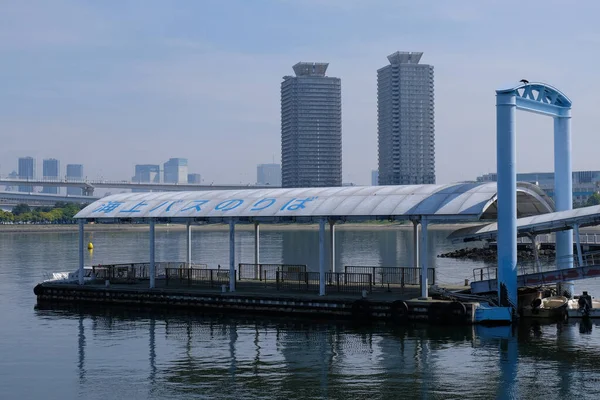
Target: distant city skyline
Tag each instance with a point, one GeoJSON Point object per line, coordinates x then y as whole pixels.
{"type": "Point", "coordinates": [90, 83]}
{"type": "Point", "coordinates": [268, 174]}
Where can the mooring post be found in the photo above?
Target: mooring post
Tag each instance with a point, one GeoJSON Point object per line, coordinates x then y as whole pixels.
{"type": "Point", "coordinates": [424, 246]}
{"type": "Point", "coordinates": [152, 254]}
{"type": "Point", "coordinates": [188, 230]}
{"type": "Point", "coordinates": [322, 257]}
{"type": "Point", "coordinates": [332, 244]}
{"type": "Point", "coordinates": [416, 224]}
{"type": "Point", "coordinates": [563, 191]}
{"type": "Point", "coordinates": [232, 255]}
{"type": "Point", "coordinates": [81, 258]}
{"type": "Point", "coordinates": [506, 159]}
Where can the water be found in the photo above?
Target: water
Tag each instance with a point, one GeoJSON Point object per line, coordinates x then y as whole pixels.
{"type": "Point", "coordinates": [100, 353]}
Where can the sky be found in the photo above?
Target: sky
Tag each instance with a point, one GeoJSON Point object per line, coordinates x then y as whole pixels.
{"type": "Point", "coordinates": [115, 83]}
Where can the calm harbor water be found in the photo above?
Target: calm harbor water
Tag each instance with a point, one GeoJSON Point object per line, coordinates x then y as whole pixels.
{"type": "Point", "coordinates": [98, 353]}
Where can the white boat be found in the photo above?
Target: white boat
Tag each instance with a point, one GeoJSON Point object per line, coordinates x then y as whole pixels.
{"type": "Point", "coordinates": [549, 307]}
{"type": "Point", "coordinates": [583, 306]}
{"type": "Point", "coordinates": [89, 274]}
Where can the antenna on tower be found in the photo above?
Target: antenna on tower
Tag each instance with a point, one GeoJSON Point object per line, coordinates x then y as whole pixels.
{"type": "Point", "coordinates": [273, 158]}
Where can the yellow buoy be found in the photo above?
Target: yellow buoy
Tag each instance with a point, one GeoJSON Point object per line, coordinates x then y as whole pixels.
{"type": "Point", "coordinates": [90, 246]}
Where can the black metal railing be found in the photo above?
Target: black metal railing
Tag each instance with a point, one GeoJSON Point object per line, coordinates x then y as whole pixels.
{"type": "Point", "coordinates": [393, 275]}
{"type": "Point", "coordinates": [348, 282]}
{"type": "Point", "coordinates": [266, 272]}
{"type": "Point", "coordinates": [299, 281]}
{"type": "Point", "coordinates": [196, 277]}
{"type": "Point", "coordinates": [132, 272]}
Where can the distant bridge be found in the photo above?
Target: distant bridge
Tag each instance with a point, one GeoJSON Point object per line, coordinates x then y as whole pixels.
{"type": "Point", "coordinates": [14, 198]}
{"type": "Point", "coordinates": [88, 186]}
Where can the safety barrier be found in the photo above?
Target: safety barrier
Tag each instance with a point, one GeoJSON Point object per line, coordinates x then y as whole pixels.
{"type": "Point", "coordinates": [266, 272]}
{"type": "Point", "coordinates": [132, 272]}
{"type": "Point", "coordinates": [300, 281]}
{"type": "Point", "coordinates": [393, 275]}
{"type": "Point", "coordinates": [348, 282]}
{"type": "Point", "coordinates": [196, 277]}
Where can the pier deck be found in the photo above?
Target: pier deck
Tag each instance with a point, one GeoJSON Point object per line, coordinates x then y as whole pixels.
{"type": "Point", "coordinates": [253, 297]}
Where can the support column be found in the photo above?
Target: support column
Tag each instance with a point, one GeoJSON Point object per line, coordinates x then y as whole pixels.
{"type": "Point", "coordinates": [81, 258]}
{"type": "Point", "coordinates": [188, 230]}
{"type": "Point", "coordinates": [424, 282]}
{"type": "Point", "coordinates": [257, 251]}
{"type": "Point", "coordinates": [256, 243]}
{"type": "Point", "coordinates": [332, 245]}
{"type": "Point", "coordinates": [231, 255]}
{"type": "Point", "coordinates": [152, 254]}
{"type": "Point", "coordinates": [322, 257]}
{"type": "Point", "coordinates": [578, 245]}
{"type": "Point", "coordinates": [563, 192]}
{"type": "Point", "coordinates": [506, 158]}
{"type": "Point", "coordinates": [416, 224]}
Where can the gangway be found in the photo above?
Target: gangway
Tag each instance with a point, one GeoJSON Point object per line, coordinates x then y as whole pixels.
{"type": "Point", "coordinates": [534, 275]}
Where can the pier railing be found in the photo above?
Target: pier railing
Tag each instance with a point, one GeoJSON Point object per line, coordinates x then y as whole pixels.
{"type": "Point", "coordinates": [532, 267]}
{"type": "Point", "coordinates": [131, 272]}
{"type": "Point", "coordinates": [348, 282]}
{"type": "Point", "coordinates": [196, 277]}
{"type": "Point", "coordinates": [265, 272]}
{"type": "Point", "coordinates": [393, 275]}
{"type": "Point", "coordinates": [300, 281]}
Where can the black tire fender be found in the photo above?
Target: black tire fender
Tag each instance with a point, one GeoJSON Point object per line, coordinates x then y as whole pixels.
{"type": "Point", "coordinates": [399, 311]}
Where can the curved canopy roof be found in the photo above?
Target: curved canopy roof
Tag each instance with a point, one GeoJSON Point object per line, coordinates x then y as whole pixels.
{"type": "Point", "coordinates": [538, 224]}
{"type": "Point", "coordinates": [459, 201]}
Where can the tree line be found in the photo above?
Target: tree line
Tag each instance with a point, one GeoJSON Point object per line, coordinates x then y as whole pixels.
{"type": "Point", "coordinates": [60, 213]}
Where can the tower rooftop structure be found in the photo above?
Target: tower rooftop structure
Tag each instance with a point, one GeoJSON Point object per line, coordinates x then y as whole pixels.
{"type": "Point", "coordinates": [310, 69]}
{"type": "Point", "coordinates": [405, 57]}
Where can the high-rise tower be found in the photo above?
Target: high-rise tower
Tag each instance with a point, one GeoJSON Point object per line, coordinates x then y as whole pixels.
{"type": "Point", "coordinates": [51, 171]}
{"type": "Point", "coordinates": [405, 121]}
{"type": "Point", "coordinates": [311, 127]}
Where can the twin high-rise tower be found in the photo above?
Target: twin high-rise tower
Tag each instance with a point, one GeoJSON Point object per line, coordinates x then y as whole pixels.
{"type": "Point", "coordinates": [405, 121]}
{"type": "Point", "coordinates": [311, 124]}
{"type": "Point", "coordinates": [311, 127]}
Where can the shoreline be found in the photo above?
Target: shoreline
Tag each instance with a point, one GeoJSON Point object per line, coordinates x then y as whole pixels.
{"type": "Point", "coordinates": [50, 228]}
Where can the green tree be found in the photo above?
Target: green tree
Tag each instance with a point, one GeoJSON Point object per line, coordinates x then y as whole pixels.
{"type": "Point", "coordinates": [593, 200]}
{"type": "Point", "coordinates": [21, 208]}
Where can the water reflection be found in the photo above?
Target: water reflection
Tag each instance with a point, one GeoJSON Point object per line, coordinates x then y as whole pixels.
{"type": "Point", "coordinates": [125, 353]}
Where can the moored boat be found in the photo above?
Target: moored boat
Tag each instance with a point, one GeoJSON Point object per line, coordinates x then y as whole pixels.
{"type": "Point", "coordinates": [553, 307]}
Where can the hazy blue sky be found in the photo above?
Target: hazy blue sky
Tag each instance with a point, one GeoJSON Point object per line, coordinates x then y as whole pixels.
{"type": "Point", "coordinates": [114, 83]}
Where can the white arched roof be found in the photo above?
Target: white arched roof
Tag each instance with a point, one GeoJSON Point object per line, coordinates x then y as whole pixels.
{"type": "Point", "coordinates": [458, 201]}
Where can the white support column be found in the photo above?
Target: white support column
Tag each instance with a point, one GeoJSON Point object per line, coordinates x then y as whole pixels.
{"type": "Point", "coordinates": [81, 258]}
{"type": "Point", "coordinates": [256, 243]}
{"type": "Point", "coordinates": [188, 230]}
{"type": "Point", "coordinates": [332, 245]}
{"type": "Point", "coordinates": [231, 255]}
{"type": "Point", "coordinates": [578, 244]}
{"type": "Point", "coordinates": [416, 224]}
{"type": "Point", "coordinates": [152, 254]}
{"type": "Point", "coordinates": [563, 192]}
{"type": "Point", "coordinates": [257, 250]}
{"type": "Point", "coordinates": [424, 282]}
{"type": "Point", "coordinates": [322, 257]}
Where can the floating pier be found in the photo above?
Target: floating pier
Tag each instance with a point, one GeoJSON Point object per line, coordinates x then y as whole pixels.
{"type": "Point", "coordinates": [338, 307]}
